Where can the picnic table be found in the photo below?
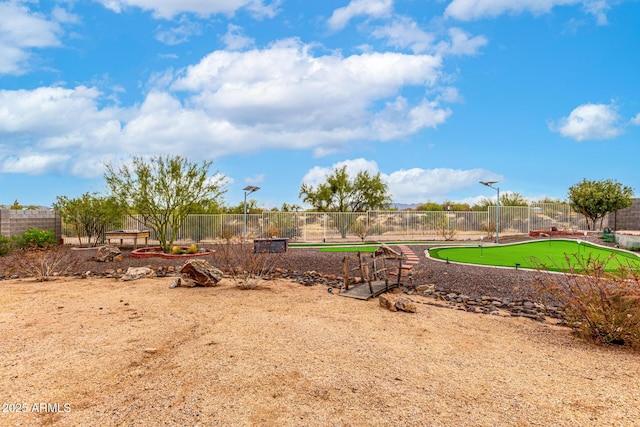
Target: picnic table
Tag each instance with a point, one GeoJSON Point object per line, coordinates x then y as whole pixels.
{"type": "Point", "coordinates": [128, 234]}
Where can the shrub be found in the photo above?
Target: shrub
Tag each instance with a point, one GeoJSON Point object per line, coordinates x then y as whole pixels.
{"type": "Point", "coordinates": [489, 229]}
{"type": "Point", "coordinates": [35, 238]}
{"type": "Point", "coordinates": [176, 250]}
{"type": "Point", "coordinates": [43, 265]}
{"type": "Point", "coordinates": [192, 249]}
{"type": "Point", "coordinates": [245, 267]}
{"type": "Point", "coordinates": [600, 306]}
{"type": "Point", "coordinates": [5, 245]}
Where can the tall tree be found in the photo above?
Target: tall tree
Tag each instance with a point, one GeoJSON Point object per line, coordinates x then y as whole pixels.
{"type": "Point", "coordinates": [511, 198]}
{"type": "Point", "coordinates": [163, 190]}
{"type": "Point", "coordinates": [340, 193]}
{"type": "Point", "coordinates": [90, 214]}
{"type": "Point", "coordinates": [595, 199]}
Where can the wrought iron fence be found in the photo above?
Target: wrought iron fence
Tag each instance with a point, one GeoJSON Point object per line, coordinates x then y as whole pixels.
{"type": "Point", "coordinates": [372, 225]}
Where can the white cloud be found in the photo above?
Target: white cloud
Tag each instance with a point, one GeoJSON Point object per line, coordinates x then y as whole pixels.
{"type": "Point", "coordinates": [286, 88]}
{"type": "Point", "coordinates": [53, 122]}
{"type": "Point", "coordinates": [180, 33]}
{"type": "Point", "coordinates": [461, 43]}
{"type": "Point", "coordinates": [167, 9]}
{"type": "Point", "coordinates": [468, 10]}
{"type": "Point", "coordinates": [419, 185]}
{"type": "Point", "coordinates": [20, 31]}
{"type": "Point", "coordinates": [282, 97]}
{"type": "Point", "coordinates": [64, 16]}
{"type": "Point", "coordinates": [636, 120]}
{"type": "Point", "coordinates": [409, 186]}
{"type": "Point", "coordinates": [235, 40]}
{"type": "Point", "coordinates": [373, 8]}
{"type": "Point", "coordinates": [33, 164]}
{"type": "Point", "coordinates": [404, 33]}
{"type": "Point", "coordinates": [598, 8]}
{"type": "Point", "coordinates": [589, 122]}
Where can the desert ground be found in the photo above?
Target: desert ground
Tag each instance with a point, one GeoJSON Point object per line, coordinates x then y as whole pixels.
{"type": "Point", "coordinates": [100, 351]}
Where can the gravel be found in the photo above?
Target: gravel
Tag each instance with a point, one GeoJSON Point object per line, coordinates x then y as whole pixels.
{"type": "Point", "coordinates": [504, 283]}
{"type": "Point", "coordinates": [469, 280]}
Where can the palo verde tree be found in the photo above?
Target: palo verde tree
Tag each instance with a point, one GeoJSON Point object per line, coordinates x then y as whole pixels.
{"type": "Point", "coordinates": [595, 199]}
{"type": "Point", "coordinates": [90, 214]}
{"type": "Point", "coordinates": [340, 193]}
{"type": "Point", "coordinates": [163, 190]}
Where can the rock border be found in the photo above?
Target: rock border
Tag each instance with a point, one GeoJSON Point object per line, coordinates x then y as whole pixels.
{"type": "Point", "coordinates": [157, 253]}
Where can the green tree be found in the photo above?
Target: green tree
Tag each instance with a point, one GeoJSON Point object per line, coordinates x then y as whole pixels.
{"type": "Point", "coordinates": [90, 214]}
{"type": "Point", "coordinates": [286, 207]}
{"type": "Point", "coordinates": [163, 190]}
{"type": "Point", "coordinates": [550, 200]}
{"type": "Point", "coordinates": [252, 208]}
{"type": "Point", "coordinates": [595, 199]}
{"type": "Point", "coordinates": [429, 206]}
{"type": "Point", "coordinates": [510, 198]}
{"type": "Point", "coordinates": [483, 204]}
{"type": "Point", "coordinates": [340, 194]}
{"type": "Point", "coordinates": [208, 206]}
{"type": "Point", "coordinates": [343, 194]}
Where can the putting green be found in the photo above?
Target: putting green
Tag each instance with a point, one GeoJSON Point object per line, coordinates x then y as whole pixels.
{"type": "Point", "coordinates": [551, 254]}
{"type": "Point", "coordinates": [360, 248]}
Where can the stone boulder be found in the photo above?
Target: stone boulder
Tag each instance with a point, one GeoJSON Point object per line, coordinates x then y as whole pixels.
{"type": "Point", "coordinates": [397, 303]}
{"type": "Point", "coordinates": [198, 272]}
{"type": "Point", "coordinates": [134, 273]}
{"type": "Point", "coordinates": [108, 253]}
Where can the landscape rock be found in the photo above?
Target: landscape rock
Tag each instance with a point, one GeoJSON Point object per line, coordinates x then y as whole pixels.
{"type": "Point", "coordinates": [387, 301]}
{"type": "Point", "coordinates": [198, 272]}
{"type": "Point", "coordinates": [406, 305]}
{"type": "Point", "coordinates": [108, 253]}
{"type": "Point", "coordinates": [393, 302]}
{"type": "Point", "coordinates": [135, 273]}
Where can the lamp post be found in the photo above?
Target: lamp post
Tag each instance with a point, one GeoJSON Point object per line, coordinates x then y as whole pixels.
{"type": "Point", "coordinates": [490, 185]}
{"type": "Point", "coordinates": [247, 190]}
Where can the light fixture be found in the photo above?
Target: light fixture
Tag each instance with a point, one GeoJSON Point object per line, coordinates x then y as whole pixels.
{"type": "Point", "coordinates": [247, 190]}
{"type": "Point", "coordinates": [490, 185]}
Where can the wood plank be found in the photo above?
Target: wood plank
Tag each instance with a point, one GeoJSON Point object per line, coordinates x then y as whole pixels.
{"type": "Point", "coordinates": [361, 291]}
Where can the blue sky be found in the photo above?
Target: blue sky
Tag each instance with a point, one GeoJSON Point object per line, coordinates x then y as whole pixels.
{"type": "Point", "coordinates": [435, 95]}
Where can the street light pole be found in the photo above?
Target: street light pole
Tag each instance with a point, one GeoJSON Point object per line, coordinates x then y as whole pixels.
{"type": "Point", "coordinates": [490, 185]}
{"type": "Point", "coordinates": [247, 190]}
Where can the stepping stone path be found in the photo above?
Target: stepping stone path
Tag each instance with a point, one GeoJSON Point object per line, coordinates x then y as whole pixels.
{"type": "Point", "coordinates": [412, 258]}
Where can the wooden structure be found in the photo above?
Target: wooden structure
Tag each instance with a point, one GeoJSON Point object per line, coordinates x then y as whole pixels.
{"type": "Point", "coordinates": [379, 273]}
{"type": "Point", "coordinates": [128, 234]}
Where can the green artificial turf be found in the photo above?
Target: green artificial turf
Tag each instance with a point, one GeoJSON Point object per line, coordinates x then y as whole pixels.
{"type": "Point", "coordinates": [360, 248]}
{"type": "Point", "coordinates": [554, 255]}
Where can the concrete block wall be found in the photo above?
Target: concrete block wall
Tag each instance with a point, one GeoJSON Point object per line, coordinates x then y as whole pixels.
{"type": "Point", "coordinates": [625, 219]}
{"type": "Point", "coordinates": [15, 222]}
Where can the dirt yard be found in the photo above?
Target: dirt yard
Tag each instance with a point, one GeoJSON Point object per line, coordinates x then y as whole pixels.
{"type": "Point", "coordinates": [106, 352]}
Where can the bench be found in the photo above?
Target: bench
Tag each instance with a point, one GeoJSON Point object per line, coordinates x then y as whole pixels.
{"type": "Point", "coordinates": [128, 234]}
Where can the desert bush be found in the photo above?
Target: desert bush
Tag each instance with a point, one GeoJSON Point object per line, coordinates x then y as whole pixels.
{"type": "Point", "coordinates": [446, 227]}
{"type": "Point", "coordinates": [42, 264]}
{"type": "Point", "coordinates": [35, 238]}
{"type": "Point", "coordinates": [489, 229]}
{"type": "Point", "coordinates": [192, 249]}
{"type": "Point", "coordinates": [599, 305]}
{"type": "Point", "coordinates": [245, 267]}
{"type": "Point", "coordinates": [6, 245]}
